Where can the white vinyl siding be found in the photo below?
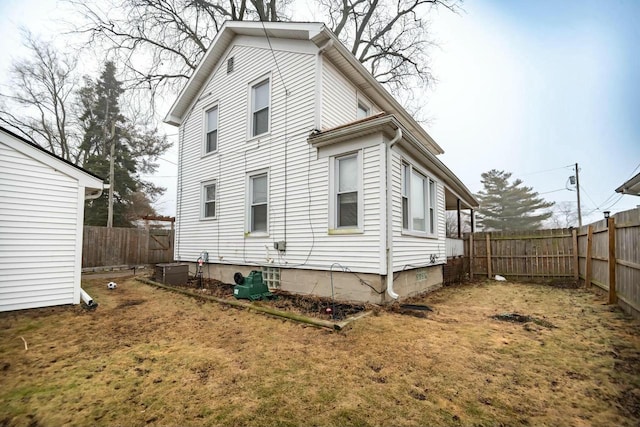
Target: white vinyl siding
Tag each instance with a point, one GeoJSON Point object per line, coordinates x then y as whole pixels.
{"type": "Point", "coordinates": [341, 102]}
{"type": "Point", "coordinates": [306, 189]}
{"type": "Point", "coordinates": [38, 233]}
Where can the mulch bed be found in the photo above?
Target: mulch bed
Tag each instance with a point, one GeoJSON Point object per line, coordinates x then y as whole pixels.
{"type": "Point", "coordinates": [308, 305]}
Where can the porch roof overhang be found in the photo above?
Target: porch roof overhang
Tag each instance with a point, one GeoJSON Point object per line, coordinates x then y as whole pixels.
{"type": "Point", "coordinates": [632, 186]}
{"type": "Point", "coordinates": [387, 124]}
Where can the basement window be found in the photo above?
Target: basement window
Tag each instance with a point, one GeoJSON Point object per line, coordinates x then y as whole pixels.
{"type": "Point", "coordinates": [271, 277]}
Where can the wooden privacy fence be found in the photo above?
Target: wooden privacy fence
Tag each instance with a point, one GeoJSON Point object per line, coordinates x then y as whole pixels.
{"type": "Point", "coordinates": [523, 254]}
{"type": "Point", "coordinates": [104, 246]}
{"type": "Point", "coordinates": [605, 254]}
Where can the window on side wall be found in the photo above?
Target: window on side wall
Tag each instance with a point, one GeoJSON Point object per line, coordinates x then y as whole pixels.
{"type": "Point", "coordinates": [211, 138]}
{"type": "Point", "coordinates": [363, 110]}
{"type": "Point", "coordinates": [258, 203]}
{"type": "Point", "coordinates": [346, 193]}
{"type": "Point", "coordinates": [419, 196]}
{"type": "Point", "coordinates": [260, 108]}
{"type": "Point", "coordinates": [209, 193]}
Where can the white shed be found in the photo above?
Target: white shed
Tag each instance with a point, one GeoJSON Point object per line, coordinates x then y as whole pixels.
{"type": "Point", "coordinates": [41, 222]}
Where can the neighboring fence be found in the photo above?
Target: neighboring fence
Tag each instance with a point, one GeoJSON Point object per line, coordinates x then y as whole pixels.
{"type": "Point", "coordinates": [605, 254]}
{"type": "Point", "coordinates": [611, 260]}
{"type": "Point", "coordinates": [537, 254]}
{"type": "Point", "coordinates": [103, 246]}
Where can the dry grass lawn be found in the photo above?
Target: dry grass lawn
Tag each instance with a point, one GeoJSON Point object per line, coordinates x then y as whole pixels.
{"type": "Point", "coordinates": [149, 357]}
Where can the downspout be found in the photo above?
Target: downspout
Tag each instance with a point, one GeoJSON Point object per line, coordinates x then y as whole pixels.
{"type": "Point", "coordinates": [86, 298]}
{"type": "Point", "coordinates": [389, 221]}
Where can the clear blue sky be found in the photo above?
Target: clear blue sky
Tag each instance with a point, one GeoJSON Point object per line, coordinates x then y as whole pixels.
{"type": "Point", "coordinates": [523, 86]}
{"type": "Point", "coordinates": [529, 86]}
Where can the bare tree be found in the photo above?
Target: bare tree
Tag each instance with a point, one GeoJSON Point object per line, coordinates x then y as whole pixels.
{"type": "Point", "coordinates": [565, 215]}
{"type": "Point", "coordinates": [40, 104]}
{"type": "Point", "coordinates": [390, 37]}
{"type": "Point", "coordinates": [451, 223]}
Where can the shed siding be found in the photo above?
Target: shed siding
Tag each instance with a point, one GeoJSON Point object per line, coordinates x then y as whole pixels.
{"type": "Point", "coordinates": [306, 188]}
{"type": "Point", "coordinates": [38, 226]}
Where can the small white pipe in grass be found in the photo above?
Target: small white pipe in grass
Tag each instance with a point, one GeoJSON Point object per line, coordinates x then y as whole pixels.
{"type": "Point", "coordinates": [86, 298]}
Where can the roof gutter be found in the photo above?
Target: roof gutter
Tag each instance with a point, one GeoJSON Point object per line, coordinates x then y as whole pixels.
{"type": "Point", "coordinates": [389, 221]}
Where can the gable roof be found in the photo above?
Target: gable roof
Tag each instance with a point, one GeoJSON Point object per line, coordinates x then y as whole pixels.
{"type": "Point", "coordinates": [320, 35]}
{"type": "Point", "coordinates": [632, 186]}
{"type": "Point", "coordinates": [87, 179]}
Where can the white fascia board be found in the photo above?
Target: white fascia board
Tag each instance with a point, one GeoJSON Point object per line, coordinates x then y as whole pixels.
{"type": "Point", "coordinates": [84, 178]}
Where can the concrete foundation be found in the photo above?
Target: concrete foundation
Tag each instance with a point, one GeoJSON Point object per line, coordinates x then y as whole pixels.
{"type": "Point", "coordinates": [359, 287]}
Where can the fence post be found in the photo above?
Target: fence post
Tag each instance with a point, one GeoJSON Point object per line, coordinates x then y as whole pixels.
{"type": "Point", "coordinates": [489, 272]}
{"type": "Point", "coordinates": [589, 261]}
{"type": "Point", "coordinates": [471, 254]}
{"type": "Point", "coordinates": [576, 265]}
{"type": "Point", "coordinates": [611, 231]}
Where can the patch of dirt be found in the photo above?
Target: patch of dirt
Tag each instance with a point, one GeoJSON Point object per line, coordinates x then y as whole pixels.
{"type": "Point", "coordinates": [522, 318]}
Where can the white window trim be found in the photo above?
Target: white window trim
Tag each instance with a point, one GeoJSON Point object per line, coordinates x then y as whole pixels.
{"type": "Point", "coordinates": [428, 178]}
{"type": "Point", "coordinates": [203, 200]}
{"type": "Point", "coordinates": [253, 83]}
{"type": "Point", "coordinates": [247, 210]}
{"type": "Point", "coordinates": [206, 109]}
{"type": "Point", "coordinates": [333, 195]}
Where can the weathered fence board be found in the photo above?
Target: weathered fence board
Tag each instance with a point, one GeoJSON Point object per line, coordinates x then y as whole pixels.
{"type": "Point", "coordinates": [606, 254]}
{"type": "Point", "coordinates": [532, 254]}
{"type": "Point", "coordinates": [104, 246]}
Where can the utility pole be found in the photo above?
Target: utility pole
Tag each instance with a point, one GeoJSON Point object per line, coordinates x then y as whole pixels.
{"type": "Point", "coordinates": [578, 193]}
{"type": "Point", "coordinates": [111, 175]}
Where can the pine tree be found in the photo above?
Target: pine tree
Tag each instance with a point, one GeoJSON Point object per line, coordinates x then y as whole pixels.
{"type": "Point", "coordinates": [506, 206]}
{"type": "Point", "coordinates": [135, 151]}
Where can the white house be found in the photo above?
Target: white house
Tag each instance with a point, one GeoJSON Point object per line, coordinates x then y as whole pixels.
{"type": "Point", "coordinates": [41, 218]}
{"type": "Point", "coordinates": [294, 160]}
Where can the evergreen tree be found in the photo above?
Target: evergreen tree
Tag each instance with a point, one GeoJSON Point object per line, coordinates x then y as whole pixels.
{"type": "Point", "coordinates": [506, 206]}
{"type": "Point", "coordinates": [135, 151]}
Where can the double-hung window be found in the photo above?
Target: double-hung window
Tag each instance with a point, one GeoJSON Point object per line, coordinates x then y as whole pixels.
{"type": "Point", "coordinates": [419, 194]}
{"type": "Point", "coordinates": [346, 204]}
{"type": "Point", "coordinates": [209, 200]}
{"type": "Point", "coordinates": [211, 139]}
{"type": "Point", "coordinates": [260, 108]}
{"type": "Point", "coordinates": [258, 203]}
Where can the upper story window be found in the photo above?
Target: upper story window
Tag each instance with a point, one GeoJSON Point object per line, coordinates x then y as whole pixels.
{"type": "Point", "coordinates": [260, 108]}
{"type": "Point", "coordinates": [211, 139]}
{"type": "Point", "coordinates": [209, 199]}
{"type": "Point", "coordinates": [363, 110]}
{"type": "Point", "coordinates": [258, 203]}
{"type": "Point", "coordinates": [419, 194]}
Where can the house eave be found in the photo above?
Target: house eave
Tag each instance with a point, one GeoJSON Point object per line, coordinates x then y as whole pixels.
{"type": "Point", "coordinates": [632, 186]}
{"type": "Point", "coordinates": [388, 124]}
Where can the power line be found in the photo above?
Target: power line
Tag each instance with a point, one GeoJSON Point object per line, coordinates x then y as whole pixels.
{"type": "Point", "coordinates": [546, 170]}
